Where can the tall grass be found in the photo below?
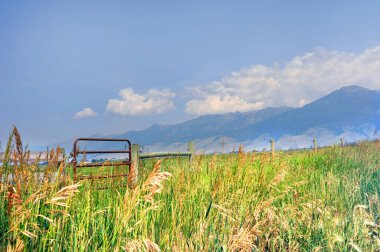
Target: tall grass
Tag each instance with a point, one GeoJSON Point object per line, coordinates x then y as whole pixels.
{"type": "Point", "coordinates": [325, 200]}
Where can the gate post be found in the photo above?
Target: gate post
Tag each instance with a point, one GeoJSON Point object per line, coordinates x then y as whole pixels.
{"type": "Point", "coordinates": [135, 156]}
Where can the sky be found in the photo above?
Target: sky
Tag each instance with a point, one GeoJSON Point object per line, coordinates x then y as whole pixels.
{"type": "Point", "coordinates": [79, 68]}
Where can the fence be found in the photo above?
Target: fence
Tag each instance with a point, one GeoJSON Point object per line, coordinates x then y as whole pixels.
{"type": "Point", "coordinates": [133, 157]}
{"type": "Point", "coordinates": [137, 156]}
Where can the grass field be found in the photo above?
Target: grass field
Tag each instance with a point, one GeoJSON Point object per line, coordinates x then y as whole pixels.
{"type": "Point", "coordinates": [325, 200]}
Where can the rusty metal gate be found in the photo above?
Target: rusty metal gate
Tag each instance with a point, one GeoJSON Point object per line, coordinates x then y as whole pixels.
{"type": "Point", "coordinates": [125, 162]}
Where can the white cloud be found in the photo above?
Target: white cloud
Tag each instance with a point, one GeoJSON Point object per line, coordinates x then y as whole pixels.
{"type": "Point", "coordinates": [131, 104]}
{"type": "Point", "coordinates": [295, 83]}
{"type": "Point", "coordinates": [86, 112]}
{"type": "Point", "coordinates": [221, 104]}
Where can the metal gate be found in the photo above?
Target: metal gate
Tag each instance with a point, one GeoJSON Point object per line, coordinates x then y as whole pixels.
{"type": "Point", "coordinates": [124, 162]}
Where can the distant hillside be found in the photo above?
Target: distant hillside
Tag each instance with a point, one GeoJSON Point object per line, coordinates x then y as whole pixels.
{"type": "Point", "coordinates": [351, 112]}
{"type": "Point", "coordinates": [202, 127]}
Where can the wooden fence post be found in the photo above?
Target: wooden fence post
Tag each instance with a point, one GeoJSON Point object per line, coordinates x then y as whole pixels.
{"type": "Point", "coordinates": [342, 142]}
{"type": "Point", "coordinates": [135, 156]}
{"type": "Point", "coordinates": [272, 147]}
{"type": "Point", "coordinates": [223, 145]}
{"type": "Point", "coordinates": [315, 144]}
{"type": "Point", "coordinates": [191, 149]}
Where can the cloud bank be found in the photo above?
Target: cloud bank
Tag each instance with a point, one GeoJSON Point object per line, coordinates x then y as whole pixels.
{"type": "Point", "coordinates": [86, 112]}
{"type": "Point", "coordinates": [132, 104]}
{"type": "Point", "coordinates": [295, 83]}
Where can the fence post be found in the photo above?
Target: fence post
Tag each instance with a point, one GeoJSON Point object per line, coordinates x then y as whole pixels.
{"type": "Point", "coordinates": [223, 145]}
{"type": "Point", "coordinates": [342, 142]}
{"type": "Point", "coordinates": [315, 144]}
{"type": "Point", "coordinates": [272, 147]}
{"type": "Point", "coordinates": [191, 149]}
{"type": "Point", "coordinates": [135, 156]}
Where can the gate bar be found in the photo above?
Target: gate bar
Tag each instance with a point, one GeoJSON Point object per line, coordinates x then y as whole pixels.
{"type": "Point", "coordinates": [76, 152]}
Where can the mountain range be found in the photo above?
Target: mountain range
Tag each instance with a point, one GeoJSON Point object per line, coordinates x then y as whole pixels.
{"type": "Point", "coordinates": [351, 113]}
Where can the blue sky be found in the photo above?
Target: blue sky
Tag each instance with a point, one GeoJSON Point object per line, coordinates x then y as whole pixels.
{"type": "Point", "coordinates": [77, 68]}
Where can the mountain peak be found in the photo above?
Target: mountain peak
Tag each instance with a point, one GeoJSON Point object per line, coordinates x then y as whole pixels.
{"type": "Point", "coordinates": [354, 89]}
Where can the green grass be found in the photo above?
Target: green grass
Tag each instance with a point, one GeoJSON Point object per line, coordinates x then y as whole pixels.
{"type": "Point", "coordinates": [301, 201]}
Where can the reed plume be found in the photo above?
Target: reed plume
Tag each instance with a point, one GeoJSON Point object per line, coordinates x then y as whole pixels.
{"type": "Point", "coordinates": [153, 184]}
